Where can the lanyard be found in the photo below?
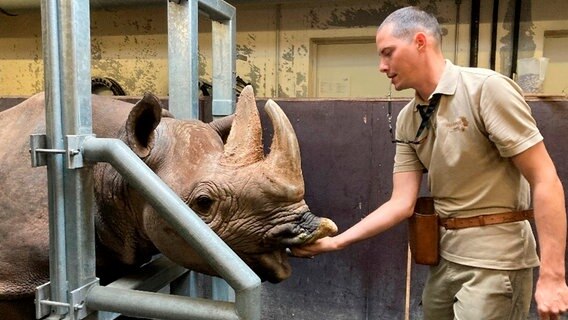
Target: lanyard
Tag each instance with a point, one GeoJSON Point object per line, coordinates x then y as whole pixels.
{"type": "Point", "coordinates": [426, 112]}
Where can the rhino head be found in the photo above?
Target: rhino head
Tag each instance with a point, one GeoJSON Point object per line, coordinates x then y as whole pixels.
{"type": "Point", "coordinates": [254, 202]}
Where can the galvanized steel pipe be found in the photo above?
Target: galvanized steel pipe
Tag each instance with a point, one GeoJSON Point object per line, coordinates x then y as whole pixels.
{"type": "Point", "coordinates": [158, 306]}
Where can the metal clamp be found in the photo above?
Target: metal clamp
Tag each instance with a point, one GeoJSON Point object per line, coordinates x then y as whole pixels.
{"type": "Point", "coordinates": [73, 143]}
{"type": "Point", "coordinates": [43, 304]}
{"type": "Point", "coordinates": [76, 308]}
{"type": "Point", "coordinates": [79, 298]}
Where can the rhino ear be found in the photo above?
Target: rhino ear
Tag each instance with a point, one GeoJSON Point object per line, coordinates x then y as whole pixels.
{"type": "Point", "coordinates": [223, 126]}
{"type": "Point", "coordinates": [141, 123]}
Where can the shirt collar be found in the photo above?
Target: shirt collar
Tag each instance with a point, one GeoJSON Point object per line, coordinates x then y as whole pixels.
{"type": "Point", "coordinates": [447, 85]}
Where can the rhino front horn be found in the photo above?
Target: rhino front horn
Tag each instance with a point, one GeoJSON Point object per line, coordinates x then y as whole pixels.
{"type": "Point", "coordinates": [284, 157]}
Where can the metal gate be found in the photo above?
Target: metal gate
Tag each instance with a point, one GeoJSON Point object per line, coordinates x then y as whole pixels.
{"type": "Point", "coordinates": [69, 148]}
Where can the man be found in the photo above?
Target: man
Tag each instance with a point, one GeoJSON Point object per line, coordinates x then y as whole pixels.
{"type": "Point", "coordinates": [484, 155]}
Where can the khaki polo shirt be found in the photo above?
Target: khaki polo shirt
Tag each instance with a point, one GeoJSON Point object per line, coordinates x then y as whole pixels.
{"type": "Point", "coordinates": [481, 121]}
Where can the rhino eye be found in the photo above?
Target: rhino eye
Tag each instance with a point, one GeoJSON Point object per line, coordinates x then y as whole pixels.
{"type": "Point", "coordinates": [203, 203]}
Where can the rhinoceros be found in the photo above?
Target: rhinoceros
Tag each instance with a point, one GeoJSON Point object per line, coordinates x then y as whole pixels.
{"type": "Point", "coordinates": [254, 202]}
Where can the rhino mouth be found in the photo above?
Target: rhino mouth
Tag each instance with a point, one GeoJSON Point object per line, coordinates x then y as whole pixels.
{"type": "Point", "coordinates": [273, 266]}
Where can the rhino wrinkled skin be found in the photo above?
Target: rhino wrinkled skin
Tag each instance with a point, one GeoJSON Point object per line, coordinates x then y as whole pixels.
{"type": "Point", "coordinates": [254, 202]}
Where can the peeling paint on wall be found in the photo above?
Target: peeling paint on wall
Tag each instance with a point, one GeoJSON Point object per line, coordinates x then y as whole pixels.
{"type": "Point", "coordinates": [249, 70]}
{"type": "Point", "coordinates": [203, 71]}
{"type": "Point", "coordinates": [361, 16]}
{"type": "Point", "coordinates": [130, 44]}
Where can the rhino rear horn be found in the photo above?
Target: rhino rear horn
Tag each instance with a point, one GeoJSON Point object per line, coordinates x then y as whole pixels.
{"type": "Point", "coordinates": [284, 157]}
{"type": "Point", "coordinates": [244, 144]}
{"type": "Point", "coordinates": [142, 121]}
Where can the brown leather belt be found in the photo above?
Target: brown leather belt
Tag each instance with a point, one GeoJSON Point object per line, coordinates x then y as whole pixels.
{"type": "Point", "coordinates": [485, 220]}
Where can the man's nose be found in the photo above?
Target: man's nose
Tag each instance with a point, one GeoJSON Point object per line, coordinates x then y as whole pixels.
{"type": "Point", "coordinates": [382, 67]}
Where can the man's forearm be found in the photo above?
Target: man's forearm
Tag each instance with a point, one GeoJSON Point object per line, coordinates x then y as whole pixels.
{"type": "Point", "coordinates": [550, 219]}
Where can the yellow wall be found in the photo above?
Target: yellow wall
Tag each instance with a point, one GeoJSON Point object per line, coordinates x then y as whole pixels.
{"type": "Point", "coordinates": [274, 41]}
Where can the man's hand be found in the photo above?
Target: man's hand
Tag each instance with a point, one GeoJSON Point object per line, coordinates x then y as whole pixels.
{"type": "Point", "coordinates": [321, 245]}
{"type": "Point", "coordinates": [551, 298]}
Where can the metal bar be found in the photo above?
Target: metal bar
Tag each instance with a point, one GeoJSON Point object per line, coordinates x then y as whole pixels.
{"type": "Point", "coordinates": [153, 276]}
{"type": "Point", "coordinates": [55, 165]}
{"type": "Point", "coordinates": [156, 305]}
{"type": "Point", "coordinates": [52, 151]}
{"type": "Point", "coordinates": [224, 66]}
{"type": "Point", "coordinates": [188, 225]}
{"type": "Point", "coordinates": [76, 117]}
{"type": "Point", "coordinates": [183, 61]}
{"type": "Point", "coordinates": [220, 290]}
{"type": "Point", "coordinates": [182, 286]}
{"type": "Point", "coordinates": [217, 10]}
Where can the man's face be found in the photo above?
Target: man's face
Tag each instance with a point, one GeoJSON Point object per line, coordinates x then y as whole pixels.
{"type": "Point", "coordinates": [398, 58]}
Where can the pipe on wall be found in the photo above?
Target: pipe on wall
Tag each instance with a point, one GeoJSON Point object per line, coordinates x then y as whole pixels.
{"type": "Point", "coordinates": [494, 22]}
{"type": "Point", "coordinates": [474, 33]}
{"type": "Point", "coordinates": [516, 31]}
{"type": "Point", "coordinates": [457, 36]}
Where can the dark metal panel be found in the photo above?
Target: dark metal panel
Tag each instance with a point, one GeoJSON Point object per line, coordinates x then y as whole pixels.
{"type": "Point", "coordinates": [335, 145]}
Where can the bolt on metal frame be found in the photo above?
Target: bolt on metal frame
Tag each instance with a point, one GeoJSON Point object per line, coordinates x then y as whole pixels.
{"type": "Point", "coordinates": [74, 292]}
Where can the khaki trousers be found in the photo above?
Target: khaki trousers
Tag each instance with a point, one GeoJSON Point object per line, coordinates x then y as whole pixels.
{"type": "Point", "coordinates": [455, 291]}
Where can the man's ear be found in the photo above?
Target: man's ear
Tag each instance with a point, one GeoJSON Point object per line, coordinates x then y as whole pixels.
{"type": "Point", "coordinates": [420, 40]}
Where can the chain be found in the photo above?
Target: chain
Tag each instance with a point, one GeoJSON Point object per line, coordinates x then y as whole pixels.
{"type": "Point", "coordinates": [389, 112]}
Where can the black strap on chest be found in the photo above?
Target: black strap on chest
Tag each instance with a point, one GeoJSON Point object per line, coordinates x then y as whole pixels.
{"type": "Point", "coordinates": [426, 112]}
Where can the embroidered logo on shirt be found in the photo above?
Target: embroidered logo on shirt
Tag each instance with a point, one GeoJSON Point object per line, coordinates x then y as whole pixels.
{"type": "Point", "coordinates": [459, 125]}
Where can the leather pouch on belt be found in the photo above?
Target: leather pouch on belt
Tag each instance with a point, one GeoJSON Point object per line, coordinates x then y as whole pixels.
{"type": "Point", "coordinates": [423, 234]}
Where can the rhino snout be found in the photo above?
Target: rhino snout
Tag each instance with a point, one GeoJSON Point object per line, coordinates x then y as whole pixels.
{"type": "Point", "coordinates": [307, 230]}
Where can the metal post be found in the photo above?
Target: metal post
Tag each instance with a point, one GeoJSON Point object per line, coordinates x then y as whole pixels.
{"type": "Point", "coordinates": [68, 114]}
{"type": "Point", "coordinates": [224, 57]}
{"type": "Point", "coordinates": [223, 31]}
{"type": "Point", "coordinates": [55, 166]}
{"type": "Point", "coordinates": [183, 61]}
{"type": "Point", "coordinates": [77, 121]}
{"type": "Point", "coordinates": [184, 78]}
